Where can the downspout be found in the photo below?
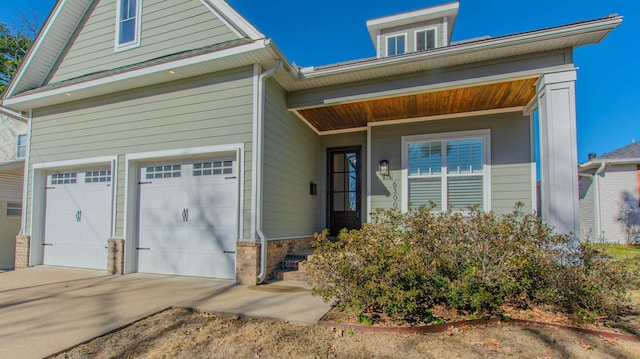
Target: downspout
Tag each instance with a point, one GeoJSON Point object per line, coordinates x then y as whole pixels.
{"type": "Point", "coordinates": [25, 181]}
{"type": "Point", "coordinates": [258, 157]}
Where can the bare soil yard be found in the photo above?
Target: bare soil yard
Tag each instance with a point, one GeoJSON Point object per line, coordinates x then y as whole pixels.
{"type": "Point", "coordinates": [183, 333]}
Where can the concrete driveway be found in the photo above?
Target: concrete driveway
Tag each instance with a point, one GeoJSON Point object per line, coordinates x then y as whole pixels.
{"type": "Point", "coordinates": [44, 310]}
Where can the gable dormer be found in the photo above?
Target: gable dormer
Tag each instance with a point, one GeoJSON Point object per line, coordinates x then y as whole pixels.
{"type": "Point", "coordinates": [413, 31]}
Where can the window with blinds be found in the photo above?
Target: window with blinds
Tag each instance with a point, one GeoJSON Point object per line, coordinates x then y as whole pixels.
{"type": "Point", "coordinates": [448, 173]}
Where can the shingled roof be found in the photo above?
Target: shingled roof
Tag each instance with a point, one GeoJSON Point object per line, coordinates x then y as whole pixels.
{"type": "Point", "coordinates": [629, 152]}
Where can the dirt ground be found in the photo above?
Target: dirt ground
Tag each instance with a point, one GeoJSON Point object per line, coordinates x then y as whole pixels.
{"type": "Point", "coordinates": [183, 333]}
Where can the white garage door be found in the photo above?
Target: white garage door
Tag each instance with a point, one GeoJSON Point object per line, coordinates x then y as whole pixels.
{"type": "Point", "coordinates": [188, 218]}
{"type": "Point", "coordinates": [78, 218]}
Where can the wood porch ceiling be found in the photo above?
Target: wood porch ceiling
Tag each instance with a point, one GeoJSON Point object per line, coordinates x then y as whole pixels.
{"type": "Point", "coordinates": [510, 94]}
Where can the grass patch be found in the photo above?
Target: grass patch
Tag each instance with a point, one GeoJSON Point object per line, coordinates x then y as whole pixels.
{"type": "Point", "coordinates": [629, 255]}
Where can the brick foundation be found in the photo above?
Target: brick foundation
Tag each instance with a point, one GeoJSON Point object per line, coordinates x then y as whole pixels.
{"type": "Point", "coordinates": [22, 252]}
{"type": "Point", "coordinates": [248, 256]}
{"type": "Point", "coordinates": [247, 262]}
{"type": "Point", "coordinates": [115, 261]}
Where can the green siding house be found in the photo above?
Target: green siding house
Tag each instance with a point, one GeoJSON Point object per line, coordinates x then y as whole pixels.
{"type": "Point", "coordinates": [174, 137]}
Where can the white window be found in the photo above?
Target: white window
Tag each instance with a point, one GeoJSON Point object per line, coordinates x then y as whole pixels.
{"type": "Point", "coordinates": [128, 24]}
{"type": "Point", "coordinates": [165, 171]}
{"type": "Point", "coordinates": [426, 39]}
{"type": "Point", "coordinates": [21, 146]}
{"type": "Point", "coordinates": [14, 209]}
{"type": "Point", "coordinates": [212, 168]}
{"type": "Point", "coordinates": [103, 176]}
{"type": "Point", "coordinates": [450, 170]}
{"type": "Point", "coordinates": [396, 45]}
{"type": "Point", "coordinates": [64, 178]}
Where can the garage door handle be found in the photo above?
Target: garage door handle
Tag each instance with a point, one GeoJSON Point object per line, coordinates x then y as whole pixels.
{"type": "Point", "coordinates": [78, 216]}
{"type": "Point", "coordinates": [228, 252]}
{"type": "Point", "coordinates": [143, 249]}
{"type": "Point", "coordinates": [47, 244]}
{"type": "Point", "coordinates": [185, 215]}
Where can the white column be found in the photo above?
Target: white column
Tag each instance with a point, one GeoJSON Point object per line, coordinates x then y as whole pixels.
{"type": "Point", "coordinates": [558, 150]}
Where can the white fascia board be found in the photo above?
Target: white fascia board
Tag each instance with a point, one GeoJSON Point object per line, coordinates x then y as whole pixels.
{"type": "Point", "coordinates": [489, 44]}
{"type": "Point", "coordinates": [411, 16]}
{"type": "Point", "coordinates": [173, 65]}
{"type": "Point", "coordinates": [446, 10]}
{"type": "Point", "coordinates": [13, 114]}
{"type": "Point", "coordinates": [34, 48]}
{"type": "Point", "coordinates": [621, 161]}
{"type": "Point", "coordinates": [233, 19]}
{"type": "Point", "coordinates": [75, 163]}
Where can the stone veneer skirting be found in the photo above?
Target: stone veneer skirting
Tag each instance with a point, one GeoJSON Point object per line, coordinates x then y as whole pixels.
{"type": "Point", "coordinates": [22, 252]}
{"type": "Point", "coordinates": [248, 256]}
{"type": "Point", "coordinates": [115, 260]}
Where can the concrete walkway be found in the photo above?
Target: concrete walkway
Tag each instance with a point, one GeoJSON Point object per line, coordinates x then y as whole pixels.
{"type": "Point", "coordinates": [44, 310]}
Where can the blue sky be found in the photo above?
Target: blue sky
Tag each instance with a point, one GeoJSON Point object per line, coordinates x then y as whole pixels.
{"type": "Point", "coordinates": [318, 33]}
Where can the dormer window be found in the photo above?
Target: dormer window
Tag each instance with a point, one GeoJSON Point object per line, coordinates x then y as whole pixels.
{"type": "Point", "coordinates": [426, 39]}
{"type": "Point", "coordinates": [128, 24]}
{"type": "Point", "coordinates": [396, 45]}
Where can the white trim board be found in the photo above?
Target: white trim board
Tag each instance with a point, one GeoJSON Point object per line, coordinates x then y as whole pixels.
{"type": "Point", "coordinates": [233, 19]}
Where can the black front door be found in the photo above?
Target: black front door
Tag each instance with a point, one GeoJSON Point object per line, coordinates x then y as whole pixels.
{"type": "Point", "coordinates": [344, 189]}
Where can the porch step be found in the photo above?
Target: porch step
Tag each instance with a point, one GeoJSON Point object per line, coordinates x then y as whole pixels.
{"type": "Point", "coordinates": [293, 267]}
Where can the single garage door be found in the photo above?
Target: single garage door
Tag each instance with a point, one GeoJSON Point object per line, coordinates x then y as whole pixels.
{"type": "Point", "coordinates": [188, 218]}
{"type": "Point", "coordinates": [78, 218]}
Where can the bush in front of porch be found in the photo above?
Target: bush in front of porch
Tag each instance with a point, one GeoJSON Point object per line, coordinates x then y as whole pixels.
{"type": "Point", "coordinates": [403, 264]}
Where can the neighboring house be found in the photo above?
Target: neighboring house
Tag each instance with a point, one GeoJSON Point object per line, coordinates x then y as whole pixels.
{"type": "Point", "coordinates": [610, 196]}
{"type": "Point", "coordinates": [13, 149]}
{"type": "Point", "coordinates": [182, 141]}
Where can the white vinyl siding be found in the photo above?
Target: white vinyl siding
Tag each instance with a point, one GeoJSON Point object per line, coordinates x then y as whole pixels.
{"type": "Point", "coordinates": [11, 185]}
{"type": "Point", "coordinates": [449, 170]}
{"type": "Point", "coordinates": [10, 130]}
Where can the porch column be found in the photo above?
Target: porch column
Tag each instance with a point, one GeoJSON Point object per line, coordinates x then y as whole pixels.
{"type": "Point", "coordinates": [558, 150]}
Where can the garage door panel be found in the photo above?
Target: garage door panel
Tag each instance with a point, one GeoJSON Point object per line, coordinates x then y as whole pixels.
{"type": "Point", "coordinates": [199, 221]}
{"type": "Point", "coordinates": [78, 219]}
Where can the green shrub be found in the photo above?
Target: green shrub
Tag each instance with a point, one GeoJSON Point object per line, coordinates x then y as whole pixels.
{"type": "Point", "coordinates": [402, 264]}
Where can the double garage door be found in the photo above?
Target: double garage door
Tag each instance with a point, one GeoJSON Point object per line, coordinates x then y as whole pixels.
{"type": "Point", "coordinates": [187, 218]}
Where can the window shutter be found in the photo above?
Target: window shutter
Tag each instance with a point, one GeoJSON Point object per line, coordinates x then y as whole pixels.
{"type": "Point", "coordinates": [424, 190]}
{"type": "Point", "coordinates": [465, 191]}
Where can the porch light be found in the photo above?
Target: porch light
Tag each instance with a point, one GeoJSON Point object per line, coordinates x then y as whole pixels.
{"type": "Point", "coordinates": [384, 168]}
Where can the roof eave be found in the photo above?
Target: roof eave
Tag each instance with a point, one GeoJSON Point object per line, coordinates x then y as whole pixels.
{"type": "Point", "coordinates": [619, 161]}
{"type": "Point", "coordinates": [593, 26]}
{"type": "Point", "coordinates": [105, 85]}
{"type": "Point", "coordinates": [13, 115]}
